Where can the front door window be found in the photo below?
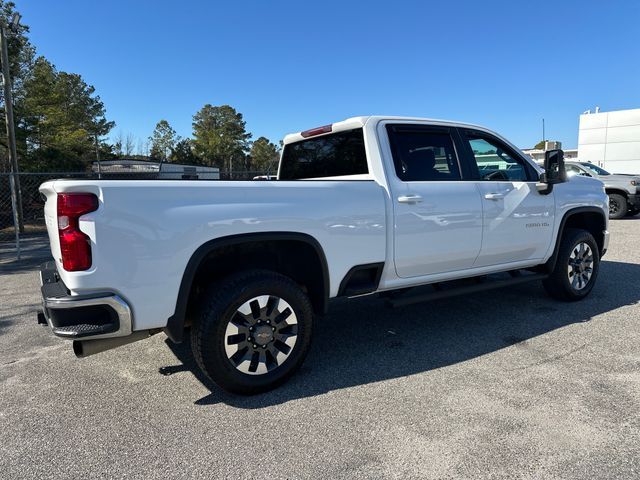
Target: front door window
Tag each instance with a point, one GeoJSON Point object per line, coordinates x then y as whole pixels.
{"type": "Point", "coordinates": [495, 162]}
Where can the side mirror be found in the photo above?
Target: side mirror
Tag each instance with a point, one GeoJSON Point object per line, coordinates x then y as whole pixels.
{"type": "Point", "coordinates": [554, 171]}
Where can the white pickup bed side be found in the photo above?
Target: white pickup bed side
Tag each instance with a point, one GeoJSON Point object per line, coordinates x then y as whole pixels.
{"type": "Point", "coordinates": [144, 232]}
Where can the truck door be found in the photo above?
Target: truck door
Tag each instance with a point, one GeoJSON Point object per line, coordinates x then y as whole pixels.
{"type": "Point", "coordinates": [437, 215]}
{"type": "Point", "coordinates": [518, 220]}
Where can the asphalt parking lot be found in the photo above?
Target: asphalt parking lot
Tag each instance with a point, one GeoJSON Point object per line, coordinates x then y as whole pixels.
{"type": "Point", "coordinates": [507, 383]}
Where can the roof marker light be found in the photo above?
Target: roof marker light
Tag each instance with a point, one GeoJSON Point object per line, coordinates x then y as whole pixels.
{"type": "Point", "coordinates": [316, 131]}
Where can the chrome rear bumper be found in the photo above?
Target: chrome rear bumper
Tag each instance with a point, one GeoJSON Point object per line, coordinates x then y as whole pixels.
{"type": "Point", "coordinates": [95, 315]}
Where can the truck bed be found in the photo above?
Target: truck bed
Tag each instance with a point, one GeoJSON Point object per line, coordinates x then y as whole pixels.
{"type": "Point", "coordinates": [145, 231]}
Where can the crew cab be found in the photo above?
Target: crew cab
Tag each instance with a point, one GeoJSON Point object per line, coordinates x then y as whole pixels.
{"type": "Point", "coordinates": [373, 204]}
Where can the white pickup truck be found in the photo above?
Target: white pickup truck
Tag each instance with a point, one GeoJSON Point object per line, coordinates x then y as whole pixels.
{"type": "Point", "coordinates": [369, 204]}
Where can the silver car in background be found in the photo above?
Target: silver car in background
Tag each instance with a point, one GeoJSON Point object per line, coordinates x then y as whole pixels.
{"type": "Point", "coordinates": [623, 190]}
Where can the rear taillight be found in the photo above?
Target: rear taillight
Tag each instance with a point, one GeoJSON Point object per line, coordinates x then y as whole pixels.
{"type": "Point", "coordinates": [74, 245]}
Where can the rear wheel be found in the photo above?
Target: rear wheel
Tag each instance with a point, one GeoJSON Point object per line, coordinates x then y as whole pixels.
{"type": "Point", "coordinates": [617, 206]}
{"type": "Point", "coordinates": [576, 268]}
{"type": "Point", "coordinates": [253, 331]}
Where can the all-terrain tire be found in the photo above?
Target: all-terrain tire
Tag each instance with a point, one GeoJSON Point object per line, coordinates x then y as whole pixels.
{"type": "Point", "coordinates": [618, 206]}
{"type": "Point", "coordinates": [561, 283]}
{"type": "Point", "coordinates": [221, 304]}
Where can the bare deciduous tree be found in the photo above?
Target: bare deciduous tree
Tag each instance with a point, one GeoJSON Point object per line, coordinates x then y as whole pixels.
{"type": "Point", "coordinates": [129, 143]}
{"type": "Point", "coordinates": [118, 143]}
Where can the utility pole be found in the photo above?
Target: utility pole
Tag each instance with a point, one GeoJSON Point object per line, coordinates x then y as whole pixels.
{"type": "Point", "coordinates": [98, 157]}
{"type": "Point", "coordinates": [543, 137]}
{"type": "Point", "coordinates": [11, 133]}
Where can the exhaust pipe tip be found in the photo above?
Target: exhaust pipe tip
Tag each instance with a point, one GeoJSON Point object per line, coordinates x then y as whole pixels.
{"type": "Point", "coordinates": [77, 348]}
{"type": "Point", "coordinates": [85, 348]}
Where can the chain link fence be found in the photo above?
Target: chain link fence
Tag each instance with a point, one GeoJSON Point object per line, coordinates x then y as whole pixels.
{"type": "Point", "coordinates": [30, 205]}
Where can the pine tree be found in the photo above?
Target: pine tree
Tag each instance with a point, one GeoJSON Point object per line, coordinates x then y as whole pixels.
{"type": "Point", "coordinates": [163, 140]}
{"type": "Point", "coordinates": [220, 137]}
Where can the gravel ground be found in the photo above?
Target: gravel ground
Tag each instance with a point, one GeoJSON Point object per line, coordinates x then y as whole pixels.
{"type": "Point", "coordinates": [506, 383]}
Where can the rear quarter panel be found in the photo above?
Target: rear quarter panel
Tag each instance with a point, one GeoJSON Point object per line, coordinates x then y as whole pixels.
{"type": "Point", "coordinates": [144, 232]}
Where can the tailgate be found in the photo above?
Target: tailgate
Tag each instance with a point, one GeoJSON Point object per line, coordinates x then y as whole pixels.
{"type": "Point", "coordinates": [51, 218]}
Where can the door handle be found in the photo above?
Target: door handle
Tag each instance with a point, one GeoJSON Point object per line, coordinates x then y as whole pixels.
{"type": "Point", "coordinates": [494, 196]}
{"type": "Point", "coordinates": [410, 199]}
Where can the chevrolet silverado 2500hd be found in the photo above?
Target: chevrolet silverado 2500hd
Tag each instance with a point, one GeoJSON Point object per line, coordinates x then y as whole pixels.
{"type": "Point", "coordinates": [369, 204]}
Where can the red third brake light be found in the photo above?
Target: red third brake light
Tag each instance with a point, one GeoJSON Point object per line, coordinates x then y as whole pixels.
{"type": "Point", "coordinates": [74, 245]}
{"type": "Point", "coordinates": [316, 131]}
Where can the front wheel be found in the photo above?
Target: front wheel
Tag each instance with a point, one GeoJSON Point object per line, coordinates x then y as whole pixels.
{"type": "Point", "coordinates": [576, 268]}
{"type": "Point", "coordinates": [253, 331]}
{"type": "Point", "coordinates": [617, 206]}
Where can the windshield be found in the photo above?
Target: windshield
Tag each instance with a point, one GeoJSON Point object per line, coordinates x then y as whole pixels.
{"type": "Point", "coordinates": [595, 169]}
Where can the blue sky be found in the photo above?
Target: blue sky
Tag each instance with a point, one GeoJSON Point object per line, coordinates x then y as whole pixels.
{"type": "Point", "coordinates": [289, 66]}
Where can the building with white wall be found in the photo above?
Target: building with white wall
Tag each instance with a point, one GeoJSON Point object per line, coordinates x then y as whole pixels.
{"type": "Point", "coordinates": [611, 140]}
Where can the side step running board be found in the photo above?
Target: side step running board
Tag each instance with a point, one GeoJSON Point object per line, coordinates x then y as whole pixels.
{"type": "Point", "coordinates": [438, 293]}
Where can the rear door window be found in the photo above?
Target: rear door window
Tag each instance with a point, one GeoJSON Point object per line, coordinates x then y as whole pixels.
{"type": "Point", "coordinates": [423, 154]}
{"type": "Point", "coordinates": [334, 155]}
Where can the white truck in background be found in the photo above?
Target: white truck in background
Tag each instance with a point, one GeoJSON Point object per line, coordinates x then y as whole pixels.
{"type": "Point", "coordinates": [370, 204]}
{"type": "Point", "coordinates": [623, 189]}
